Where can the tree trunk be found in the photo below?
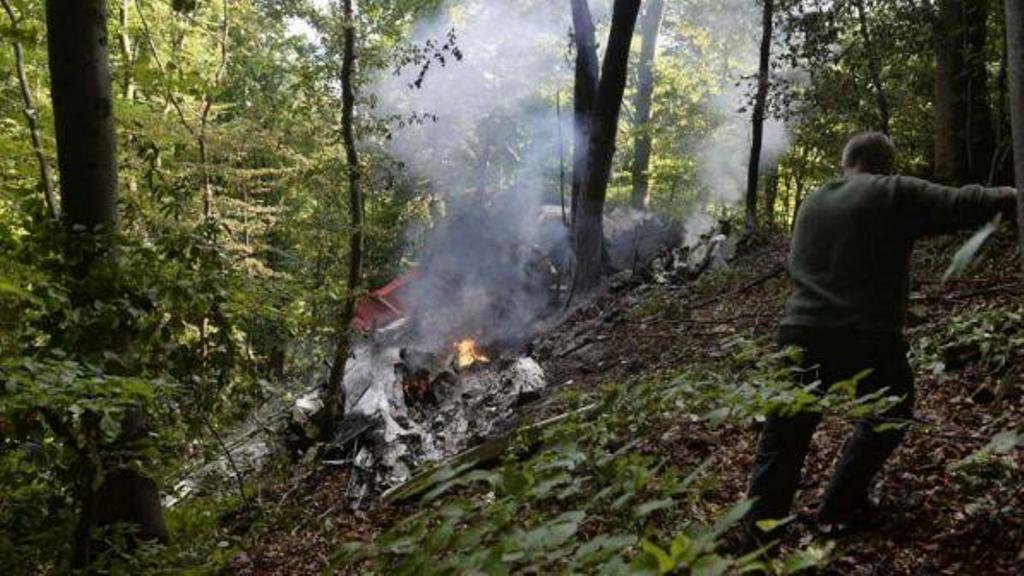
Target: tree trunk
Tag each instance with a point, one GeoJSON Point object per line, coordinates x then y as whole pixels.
{"type": "Point", "coordinates": [760, 108]}
{"type": "Point", "coordinates": [771, 192]}
{"type": "Point", "coordinates": [84, 122]}
{"type": "Point", "coordinates": [649, 29]}
{"type": "Point", "coordinates": [584, 94]}
{"type": "Point", "coordinates": [32, 118]}
{"type": "Point", "coordinates": [1015, 49]}
{"type": "Point", "coordinates": [963, 116]}
{"type": "Point", "coordinates": [874, 69]}
{"type": "Point", "coordinates": [83, 112]}
{"type": "Point", "coordinates": [601, 149]}
{"type": "Point", "coordinates": [127, 53]}
{"type": "Point", "coordinates": [335, 400]}
{"type": "Point", "coordinates": [561, 157]}
{"type": "Point", "coordinates": [209, 208]}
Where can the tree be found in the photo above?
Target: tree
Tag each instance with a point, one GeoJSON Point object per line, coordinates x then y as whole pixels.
{"type": "Point", "coordinates": [585, 93]}
{"type": "Point", "coordinates": [649, 30]}
{"type": "Point", "coordinates": [874, 68]}
{"type": "Point", "coordinates": [84, 122]}
{"type": "Point", "coordinates": [963, 118]}
{"type": "Point", "coordinates": [601, 147]}
{"type": "Point", "coordinates": [760, 109]}
{"type": "Point", "coordinates": [32, 118]}
{"type": "Point", "coordinates": [357, 242]}
{"type": "Point", "coordinates": [1015, 49]}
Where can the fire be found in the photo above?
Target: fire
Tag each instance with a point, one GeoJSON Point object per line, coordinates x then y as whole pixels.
{"type": "Point", "coordinates": [467, 354]}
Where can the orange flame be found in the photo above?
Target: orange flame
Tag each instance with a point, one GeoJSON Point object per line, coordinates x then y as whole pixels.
{"type": "Point", "coordinates": [467, 354]}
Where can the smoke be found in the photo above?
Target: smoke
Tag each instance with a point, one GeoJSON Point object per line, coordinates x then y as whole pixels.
{"type": "Point", "coordinates": [724, 156]}
{"type": "Point", "coordinates": [489, 153]}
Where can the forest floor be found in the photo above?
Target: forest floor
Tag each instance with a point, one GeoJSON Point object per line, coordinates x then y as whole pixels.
{"type": "Point", "coordinates": [938, 518]}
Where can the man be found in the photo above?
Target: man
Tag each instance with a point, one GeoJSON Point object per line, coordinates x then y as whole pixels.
{"type": "Point", "coordinates": [849, 264]}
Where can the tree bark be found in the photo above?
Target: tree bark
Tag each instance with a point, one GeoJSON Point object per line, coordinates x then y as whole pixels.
{"type": "Point", "coordinates": [561, 157]}
{"type": "Point", "coordinates": [1015, 49]}
{"type": "Point", "coordinates": [127, 53]}
{"type": "Point", "coordinates": [601, 149]}
{"type": "Point", "coordinates": [771, 192]}
{"type": "Point", "coordinates": [963, 116]}
{"type": "Point", "coordinates": [84, 122]}
{"type": "Point", "coordinates": [204, 116]}
{"type": "Point", "coordinates": [874, 69]}
{"type": "Point", "coordinates": [649, 29]}
{"type": "Point", "coordinates": [83, 112]}
{"type": "Point", "coordinates": [584, 94]}
{"type": "Point", "coordinates": [32, 118]}
{"type": "Point", "coordinates": [760, 108]}
{"type": "Point", "coordinates": [357, 240]}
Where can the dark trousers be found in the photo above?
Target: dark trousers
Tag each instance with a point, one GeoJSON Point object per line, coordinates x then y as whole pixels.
{"type": "Point", "coordinates": [830, 356]}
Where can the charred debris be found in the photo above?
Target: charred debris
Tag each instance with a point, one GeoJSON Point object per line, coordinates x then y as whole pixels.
{"type": "Point", "coordinates": [421, 393]}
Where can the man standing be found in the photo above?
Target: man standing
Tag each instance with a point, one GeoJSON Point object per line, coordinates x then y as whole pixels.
{"type": "Point", "coordinates": [849, 264]}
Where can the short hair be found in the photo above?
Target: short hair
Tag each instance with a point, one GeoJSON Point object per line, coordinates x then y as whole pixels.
{"type": "Point", "coordinates": [871, 152]}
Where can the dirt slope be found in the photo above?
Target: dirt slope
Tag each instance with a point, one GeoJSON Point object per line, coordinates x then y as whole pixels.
{"type": "Point", "coordinates": [938, 520]}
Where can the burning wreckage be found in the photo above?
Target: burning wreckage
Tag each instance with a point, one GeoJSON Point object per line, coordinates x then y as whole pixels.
{"type": "Point", "coordinates": [442, 359]}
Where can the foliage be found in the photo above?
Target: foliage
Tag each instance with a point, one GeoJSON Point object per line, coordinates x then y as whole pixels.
{"type": "Point", "coordinates": [201, 313]}
{"type": "Point", "coordinates": [221, 290]}
{"type": "Point", "coordinates": [991, 337]}
{"type": "Point", "coordinates": [597, 497]}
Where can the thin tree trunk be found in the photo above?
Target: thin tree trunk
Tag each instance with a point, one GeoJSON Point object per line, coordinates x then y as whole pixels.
{"type": "Point", "coordinates": [649, 28]}
{"type": "Point", "coordinates": [1003, 144]}
{"type": "Point", "coordinates": [357, 240]}
{"type": "Point", "coordinates": [601, 150]}
{"type": "Point", "coordinates": [1015, 49]}
{"type": "Point", "coordinates": [979, 123]}
{"type": "Point", "coordinates": [949, 150]}
{"type": "Point", "coordinates": [204, 116]}
{"type": "Point", "coordinates": [874, 69]}
{"type": "Point", "coordinates": [771, 192]}
{"type": "Point", "coordinates": [32, 118]}
{"type": "Point", "coordinates": [172, 100]}
{"type": "Point", "coordinates": [760, 108]}
{"type": "Point", "coordinates": [127, 52]}
{"type": "Point", "coordinates": [561, 157]}
{"type": "Point", "coordinates": [584, 94]}
{"type": "Point", "coordinates": [86, 140]}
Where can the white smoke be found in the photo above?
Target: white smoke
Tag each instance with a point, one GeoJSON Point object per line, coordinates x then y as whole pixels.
{"type": "Point", "coordinates": [724, 156]}
{"type": "Point", "coordinates": [490, 155]}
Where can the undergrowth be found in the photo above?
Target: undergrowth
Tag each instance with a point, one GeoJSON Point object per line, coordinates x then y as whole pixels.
{"type": "Point", "coordinates": [597, 497]}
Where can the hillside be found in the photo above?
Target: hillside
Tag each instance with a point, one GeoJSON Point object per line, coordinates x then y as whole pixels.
{"type": "Point", "coordinates": [670, 448]}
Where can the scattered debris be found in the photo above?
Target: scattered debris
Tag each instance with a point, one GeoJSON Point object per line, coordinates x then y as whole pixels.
{"type": "Point", "coordinates": [406, 407]}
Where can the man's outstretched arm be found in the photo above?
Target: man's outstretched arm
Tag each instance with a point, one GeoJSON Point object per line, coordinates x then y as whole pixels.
{"type": "Point", "coordinates": [929, 209]}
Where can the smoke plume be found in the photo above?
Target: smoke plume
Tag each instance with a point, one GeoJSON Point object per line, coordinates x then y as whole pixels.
{"type": "Point", "coordinates": [489, 153]}
{"type": "Point", "coordinates": [724, 156]}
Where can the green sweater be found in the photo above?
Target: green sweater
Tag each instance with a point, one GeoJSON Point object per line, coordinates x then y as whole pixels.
{"type": "Point", "coordinates": [850, 258]}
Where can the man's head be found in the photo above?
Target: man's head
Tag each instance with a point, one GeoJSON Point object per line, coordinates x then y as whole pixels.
{"type": "Point", "coordinates": [869, 153]}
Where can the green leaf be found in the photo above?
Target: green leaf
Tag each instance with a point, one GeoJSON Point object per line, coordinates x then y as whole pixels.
{"type": "Point", "coordinates": [680, 545]}
{"type": "Point", "coordinates": [710, 565]}
{"type": "Point", "coordinates": [665, 562]}
{"type": "Point", "coordinates": [1004, 442]}
{"type": "Point", "coordinates": [769, 525]}
{"type": "Point", "coordinates": [110, 427]}
{"type": "Point", "coordinates": [650, 506]}
{"type": "Point", "coordinates": [717, 416]}
{"type": "Point", "coordinates": [9, 289]}
{"type": "Point", "coordinates": [605, 543]}
{"type": "Point", "coordinates": [734, 515]}
{"type": "Point", "coordinates": [809, 558]}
